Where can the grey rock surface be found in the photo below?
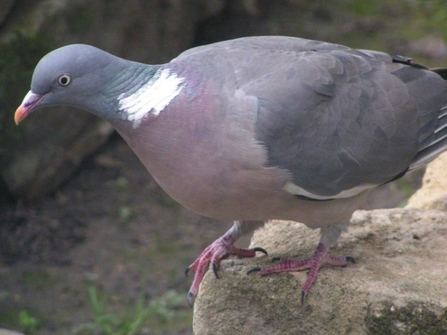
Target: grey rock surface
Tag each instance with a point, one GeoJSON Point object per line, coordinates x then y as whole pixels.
{"type": "Point", "coordinates": [397, 286]}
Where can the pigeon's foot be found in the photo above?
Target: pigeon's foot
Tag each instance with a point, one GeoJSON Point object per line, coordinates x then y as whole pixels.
{"type": "Point", "coordinates": [213, 254]}
{"type": "Point", "coordinates": [314, 263]}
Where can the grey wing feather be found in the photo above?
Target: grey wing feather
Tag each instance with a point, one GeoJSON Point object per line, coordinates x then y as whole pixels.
{"type": "Point", "coordinates": [334, 117]}
{"type": "Point", "coordinates": [337, 118]}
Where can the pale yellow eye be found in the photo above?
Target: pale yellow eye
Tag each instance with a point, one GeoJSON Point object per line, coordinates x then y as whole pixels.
{"type": "Point", "coordinates": [64, 80]}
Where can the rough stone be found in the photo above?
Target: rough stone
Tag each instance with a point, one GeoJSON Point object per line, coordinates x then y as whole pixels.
{"type": "Point", "coordinates": [397, 286]}
{"type": "Point", "coordinates": [432, 194]}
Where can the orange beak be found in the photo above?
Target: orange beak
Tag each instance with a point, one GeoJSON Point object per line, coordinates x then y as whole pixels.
{"type": "Point", "coordinates": [20, 114]}
{"type": "Point", "coordinates": [27, 107]}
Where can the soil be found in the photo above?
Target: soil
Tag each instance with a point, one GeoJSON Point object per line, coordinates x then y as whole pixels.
{"type": "Point", "coordinates": [113, 228]}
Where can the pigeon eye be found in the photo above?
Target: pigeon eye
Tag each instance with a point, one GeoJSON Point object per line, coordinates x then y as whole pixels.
{"type": "Point", "coordinates": [64, 80]}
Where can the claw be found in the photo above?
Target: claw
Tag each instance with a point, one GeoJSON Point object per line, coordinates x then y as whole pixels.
{"type": "Point", "coordinates": [214, 253]}
{"type": "Point", "coordinates": [215, 270]}
{"type": "Point", "coordinates": [313, 263]}
{"type": "Point", "coordinates": [191, 297]}
{"type": "Point", "coordinates": [261, 250]}
{"type": "Point", "coordinates": [350, 259]}
{"type": "Point", "coordinates": [256, 269]}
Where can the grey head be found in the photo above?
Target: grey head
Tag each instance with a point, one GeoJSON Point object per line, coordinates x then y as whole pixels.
{"type": "Point", "coordinates": [80, 76]}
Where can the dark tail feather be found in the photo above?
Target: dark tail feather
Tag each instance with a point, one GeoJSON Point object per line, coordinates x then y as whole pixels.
{"type": "Point", "coordinates": [441, 71]}
{"type": "Point", "coordinates": [434, 145]}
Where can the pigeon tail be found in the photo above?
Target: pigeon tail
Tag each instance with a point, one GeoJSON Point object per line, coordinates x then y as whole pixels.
{"type": "Point", "coordinates": [434, 145]}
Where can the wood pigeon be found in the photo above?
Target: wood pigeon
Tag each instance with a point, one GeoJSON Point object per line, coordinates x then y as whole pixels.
{"type": "Point", "coordinates": [260, 128]}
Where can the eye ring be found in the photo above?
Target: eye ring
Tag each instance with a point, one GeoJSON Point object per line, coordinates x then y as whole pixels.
{"type": "Point", "coordinates": [64, 80]}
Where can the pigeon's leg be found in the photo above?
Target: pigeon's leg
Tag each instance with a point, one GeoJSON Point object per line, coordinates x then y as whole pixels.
{"type": "Point", "coordinates": [218, 249]}
{"type": "Point", "coordinates": [328, 237]}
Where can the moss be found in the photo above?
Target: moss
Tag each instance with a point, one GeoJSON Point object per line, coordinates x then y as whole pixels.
{"type": "Point", "coordinates": [18, 58]}
{"type": "Point", "coordinates": [418, 318]}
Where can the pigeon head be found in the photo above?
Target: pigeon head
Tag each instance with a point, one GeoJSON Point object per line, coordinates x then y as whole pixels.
{"type": "Point", "coordinates": [74, 75]}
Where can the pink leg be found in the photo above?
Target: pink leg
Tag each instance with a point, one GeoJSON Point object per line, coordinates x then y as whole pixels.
{"type": "Point", "coordinates": [217, 250]}
{"type": "Point", "coordinates": [314, 263]}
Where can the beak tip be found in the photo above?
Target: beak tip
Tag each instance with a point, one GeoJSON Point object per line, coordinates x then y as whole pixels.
{"type": "Point", "coordinates": [19, 115]}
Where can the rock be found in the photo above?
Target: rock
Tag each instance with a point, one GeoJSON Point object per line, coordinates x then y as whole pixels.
{"type": "Point", "coordinates": [43, 165]}
{"type": "Point", "coordinates": [432, 194]}
{"type": "Point", "coordinates": [397, 286]}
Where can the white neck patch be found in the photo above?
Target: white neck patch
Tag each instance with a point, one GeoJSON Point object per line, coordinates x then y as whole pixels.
{"type": "Point", "coordinates": [152, 97]}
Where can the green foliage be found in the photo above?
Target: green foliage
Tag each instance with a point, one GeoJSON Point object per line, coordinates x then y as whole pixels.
{"type": "Point", "coordinates": [434, 14]}
{"type": "Point", "coordinates": [429, 15]}
{"type": "Point", "coordinates": [125, 213]}
{"type": "Point", "coordinates": [29, 323]}
{"type": "Point", "coordinates": [360, 7]}
{"type": "Point", "coordinates": [145, 314]}
{"type": "Point", "coordinates": [407, 189]}
{"type": "Point", "coordinates": [119, 184]}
